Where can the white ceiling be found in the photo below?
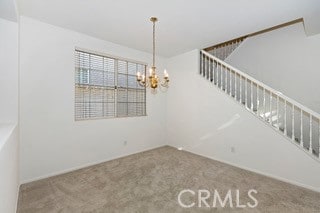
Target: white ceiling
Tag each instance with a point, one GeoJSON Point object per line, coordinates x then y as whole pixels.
{"type": "Point", "coordinates": [183, 24]}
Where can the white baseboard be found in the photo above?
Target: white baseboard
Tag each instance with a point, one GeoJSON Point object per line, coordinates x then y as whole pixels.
{"type": "Point", "coordinates": [86, 165]}
{"type": "Point", "coordinates": [143, 150]}
{"type": "Point", "coordinates": [258, 172]}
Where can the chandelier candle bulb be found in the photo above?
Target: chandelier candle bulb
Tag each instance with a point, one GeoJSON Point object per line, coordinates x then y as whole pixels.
{"type": "Point", "coordinates": [138, 76]}
{"type": "Point", "coordinates": [166, 75]}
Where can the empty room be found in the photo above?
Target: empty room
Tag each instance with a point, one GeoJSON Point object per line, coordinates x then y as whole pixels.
{"type": "Point", "coordinates": [159, 106]}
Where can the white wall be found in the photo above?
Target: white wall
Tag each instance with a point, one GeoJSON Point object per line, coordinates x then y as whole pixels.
{"type": "Point", "coordinates": [205, 121]}
{"type": "Point", "coordinates": [9, 168]}
{"type": "Point", "coordinates": [51, 141]}
{"type": "Point", "coordinates": [8, 71]}
{"type": "Point", "coordinates": [285, 59]}
{"type": "Point", "coordinates": [9, 134]}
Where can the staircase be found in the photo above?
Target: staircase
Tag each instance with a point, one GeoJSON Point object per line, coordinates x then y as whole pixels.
{"type": "Point", "coordinates": [289, 118]}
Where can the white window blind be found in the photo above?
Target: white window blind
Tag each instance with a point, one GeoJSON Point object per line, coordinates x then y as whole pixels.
{"type": "Point", "coordinates": [106, 87]}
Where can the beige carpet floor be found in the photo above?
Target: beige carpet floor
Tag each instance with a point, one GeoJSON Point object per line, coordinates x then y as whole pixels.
{"type": "Point", "coordinates": [151, 181]}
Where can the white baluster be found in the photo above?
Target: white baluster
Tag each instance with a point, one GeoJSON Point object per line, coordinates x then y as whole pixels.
{"type": "Point", "coordinates": [240, 78]}
{"type": "Point", "coordinates": [211, 73]}
{"type": "Point", "coordinates": [216, 73]}
{"type": "Point", "coordinates": [225, 79]}
{"type": "Point", "coordinates": [270, 118]}
{"type": "Point", "coordinates": [235, 86]}
{"type": "Point", "coordinates": [204, 65]}
{"type": "Point", "coordinates": [251, 95]}
{"type": "Point", "coordinates": [246, 92]}
{"type": "Point", "coordinates": [230, 83]}
{"type": "Point", "coordinates": [293, 136]}
{"type": "Point", "coordinates": [301, 128]}
{"type": "Point", "coordinates": [221, 77]}
{"type": "Point", "coordinates": [285, 117]}
{"type": "Point", "coordinates": [258, 100]}
{"type": "Point", "coordinates": [319, 138]}
{"type": "Point", "coordinates": [278, 112]}
{"type": "Point", "coordinates": [201, 62]}
{"type": "Point", "coordinates": [264, 104]}
{"type": "Point", "coordinates": [310, 146]}
{"type": "Point", "coordinates": [208, 71]}
{"type": "Point", "coordinates": [207, 67]}
{"type": "Point", "coordinates": [213, 70]}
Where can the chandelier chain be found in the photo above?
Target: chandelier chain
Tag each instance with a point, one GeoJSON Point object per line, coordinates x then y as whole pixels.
{"type": "Point", "coordinates": [154, 43]}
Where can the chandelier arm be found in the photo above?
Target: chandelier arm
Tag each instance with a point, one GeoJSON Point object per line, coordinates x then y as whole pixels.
{"type": "Point", "coordinates": [145, 84]}
{"type": "Point", "coordinates": [142, 84]}
{"type": "Point", "coordinates": [164, 82]}
{"type": "Point", "coordinates": [163, 88]}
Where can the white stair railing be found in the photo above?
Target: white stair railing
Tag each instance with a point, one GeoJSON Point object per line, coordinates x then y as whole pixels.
{"type": "Point", "coordinates": [223, 50]}
{"type": "Point", "coordinates": [296, 122]}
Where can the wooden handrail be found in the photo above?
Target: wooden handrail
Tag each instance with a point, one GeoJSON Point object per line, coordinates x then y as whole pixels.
{"type": "Point", "coordinates": [253, 34]}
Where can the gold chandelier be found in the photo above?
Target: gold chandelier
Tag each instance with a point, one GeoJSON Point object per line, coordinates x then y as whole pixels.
{"type": "Point", "coordinates": [153, 80]}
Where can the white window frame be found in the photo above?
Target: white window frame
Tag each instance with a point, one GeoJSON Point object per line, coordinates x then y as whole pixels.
{"type": "Point", "coordinates": [87, 82]}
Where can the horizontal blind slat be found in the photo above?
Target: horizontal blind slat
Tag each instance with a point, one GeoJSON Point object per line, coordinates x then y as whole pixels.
{"type": "Point", "coordinates": [97, 88]}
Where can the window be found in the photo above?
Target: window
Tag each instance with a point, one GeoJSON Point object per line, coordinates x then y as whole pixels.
{"type": "Point", "coordinates": [106, 87]}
